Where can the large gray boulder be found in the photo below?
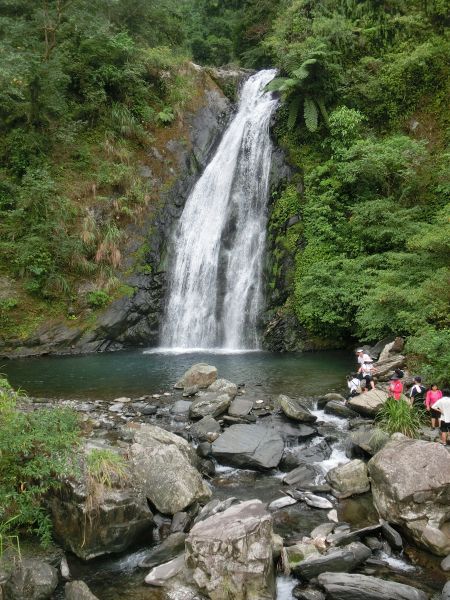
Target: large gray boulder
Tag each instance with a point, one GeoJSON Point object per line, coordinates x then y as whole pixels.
{"type": "Point", "coordinates": [91, 519]}
{"type": "Point", "coordinates": [295, 410]}
{"type": "Point", "coordinates": [296, 456]}
{"type": "Point", "coordinates": [240, 407]}
{"type": "Point", "coordinates": [161, 574]}
{"type": "Point", "coordinates": [78, 590]}
{"type": "Point", "coordinates": [201, 375]}
{"type": "Point", "coordinates": [231, 553]}
{"type": "Point", "coordinates": [32, 579]}
{"type": "Point", "coordinates": [345, 586]}
{"type": "Point", "coordinates": [165, 465]}
{"type": "Point", "coordinates": [201, 430]}
{"type": "Point", "coordinates": [411, 487]}
{"type": "Point", "coordinates": [249, 446]}
{"type": "Point", "coordinates": [334, 407]}
{"type": "Point", "coordinates": [349, 479]}
{"type": "Point", "coordinates": [446, 591]}
{"type": "Point", "coordinates": [211, 404]}
{"type": "Point", "coordinates": [336, 560]}
{"type": "Point", "coordinates": [369, 403]}
{"type": "Point", "coordinates": [386, 367]}
{"type": "Point", "coordinates": [224, 386]}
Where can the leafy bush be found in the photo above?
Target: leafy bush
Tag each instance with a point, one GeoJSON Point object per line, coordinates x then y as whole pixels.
{"type": "Point", "coordinates": [398, 416]}
{"type": "Point", "coordinates": [36, 452]}
{"type": "Point", "coordinates": [98, 299]}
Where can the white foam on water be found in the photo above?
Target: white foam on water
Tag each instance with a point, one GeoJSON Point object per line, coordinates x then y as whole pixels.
{"type": "Point", "coordinates": [181, 350]}
{"type": "Point", "coordinates": [337, 458]}
{"type": "Point", "coordinates": [398, 564]}
{"type": "Point", "coordinates": [285, 585]}
{"type": "Point", "coordinates": [338, 422]}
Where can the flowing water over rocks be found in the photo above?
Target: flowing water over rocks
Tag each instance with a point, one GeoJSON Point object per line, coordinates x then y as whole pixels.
{"type": "Point", "coordinates": [215, 290]}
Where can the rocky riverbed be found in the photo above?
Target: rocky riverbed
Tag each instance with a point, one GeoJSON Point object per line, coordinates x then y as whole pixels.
{"type": "Point", "coordinates": [229, 493]}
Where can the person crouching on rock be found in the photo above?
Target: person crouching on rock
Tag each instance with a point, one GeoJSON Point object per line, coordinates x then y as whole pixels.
{"type": "Point", "coordinates": [395, 387]}
{"type": "Point", "coordinates": [443, 407]}
{"type": "Point", "coordinates": [354, 385]}
{"type": "Point", "coordinates": [433, 395]}
{"type": "Point", "coordinates": [367, 372]}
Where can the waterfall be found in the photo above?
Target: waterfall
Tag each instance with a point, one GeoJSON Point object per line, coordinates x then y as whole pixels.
{"type": "Point", "coordinates": [215, 293]}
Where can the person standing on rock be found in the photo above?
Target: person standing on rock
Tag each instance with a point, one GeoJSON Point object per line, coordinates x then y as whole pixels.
{"type": "Point", "coordinates": [417, 392]}
{"type": "Point", "coordinates": [395, 387]}
{"type": "Point", "coordinates": [443, 407]}
{"type": "Point", "coordinates": [367, 371]}
{"type": "Point", "coordinates": [433, 395]}
{"type": "Point", "coordinates": [362, 357]}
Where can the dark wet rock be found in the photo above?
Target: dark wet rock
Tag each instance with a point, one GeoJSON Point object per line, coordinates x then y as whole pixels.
{"type": "Point", "coordinates": [411, 488]}
{"type": "Point", "coordinates": [249, 446]}
{"type": "Point", "coordinates": [78, 590]}
{"type": "Point", "coordinates": [165, 465]}
{"type": "Point", "coordinates": [215, 506]}
{"type": "Point", "coordinates": [345, 586]}
{"type": "Point", "coordinates": [232, 551]}
{"type": "Point", "coordinates": [228, 420]}
{"type": "Point", "coordinates": [200, 375]}
{"type": "Point", "coordinates": [171, 547]}
{"type": "Point", "coordinates": [335, 407]}
{"type": "Point", "coordinates": [92, 521]}
{"type": "Point", "coordinates": [294, 409]}
{"type": "Point", "coordinates": [31, 579]}
{"type": "Point", "coordinates": [294, 457]}
{"type": "Point", "coordinates": [349, 479]}
{"type": "Point", "coordinates": [340, 538]}
{"type": "Point", "coordinates": [368, 403]}
{"type": "Point", "coordinates": [336, 560]}
{"type": "Point", "coordinates": [302, 593]}
{"type": "Point", "coordinates": [240, 407]}
{"type": "Point", "coordinates": [205, 426]}
{"type": "Point", "coordinates": [305, 474]}
{"type": "Point", "coordinates": [292, 433]}
{"type": "Point", "coordinates": [204, 449]}
{"type": "Point", "coordinates": [211, 404]}
{"type": "Point", "coordinates": [393, 538]}
{"type": "Point", "coordinates": [207, 467]}
{"type": "Point", "coordinates": [161, 574]}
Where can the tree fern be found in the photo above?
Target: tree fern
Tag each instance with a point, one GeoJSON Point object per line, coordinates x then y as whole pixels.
{"type": "Point", "coordinates": [310, 113]}
{"type": "Point", "coordinates": [294, 106]}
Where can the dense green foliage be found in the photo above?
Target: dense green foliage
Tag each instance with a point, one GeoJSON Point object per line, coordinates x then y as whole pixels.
{"type": "Point", "coordinates": [36, 451]}
{"type": "Point", "coordinates": [366, 122]}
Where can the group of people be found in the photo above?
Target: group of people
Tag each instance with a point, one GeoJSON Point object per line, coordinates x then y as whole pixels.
{"type": "Point", "coordinates": [436, 401]}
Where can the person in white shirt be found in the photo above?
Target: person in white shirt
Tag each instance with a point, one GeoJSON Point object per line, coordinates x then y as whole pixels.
{"type": "Point", "coordinates": [367, 370]}
{"type": "Point", "coordinates": [354, 385]}
{"type": "Point", "coordinates": [362, 357]}
{"type": "Point", "coordinates": [443, 406]}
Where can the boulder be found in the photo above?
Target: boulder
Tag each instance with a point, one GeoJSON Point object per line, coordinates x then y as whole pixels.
{"type": "Point", "coordinates": [333, 407]}
{"type": "Point", "coordinates": [303, 475]}
{"type": "Point", "coordinates": [205, 426]}
{"type": "Point", "coordinates": [224, 386]}
{"type": "Point", "coordinates": [91, 519]}
{"type": "Point", "coordinates": [170, 548]}
{"type": "Point", "coordinates": [369, 403]}
{"type": "Point", "coordinates": [200, 375]}
{"type": "Point", "coordinates": [332, 396]}
{"type": "Point", "coordinates": [210, 404]}
{"type": "Point", "coordinates": [295, 555]}
{"type": "Point", "coordinates": [301, 593]}
{"type": "Point", "coordinates": [391, 349]}
{"type": "Point", "coordinates": [295, 410]}
{"type": "Point", "coordinates": [165, 465]}
{"type": "Point", "coordinates": [385, 368]}
{"type": "Point", "coordinates": [411, 488]}
{"type": "Point", "coordinates": [161, 574]}
{"type": "Point", "coordinates": [240, 407]}
{"type": "Point", "coordinates": [78, 590]}
{"type": "Point", "coordinates": [445, 564]}
{"type": "Point", "coordinates": [231, 553]}
{"type": "Point", "coordinates": [369, 439]}
{"type": "Point", "coordinates": [249, 446]}
{"type": "Point", "coordinates": [446, 591]}
{"type": "Point", "coordinates": [32, 579]}
{"type": "Point", "coordinates": [345, 586]}
{"type": "Point", "coordinates": [294, 457]}
{"type": "Point", "coordinates": [292, 433]}
{"type": "Point", "coordinates": [336, 560]}
{"type": "Point", "coordinates": [215, 506]}
{"type": "Point", "coordinates": [349, 479]}
{"type": "Point", "coordinates": [181, 407]}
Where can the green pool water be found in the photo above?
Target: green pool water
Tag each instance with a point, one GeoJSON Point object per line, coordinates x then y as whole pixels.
{"type": "Point", "coordinates": [136, 373]}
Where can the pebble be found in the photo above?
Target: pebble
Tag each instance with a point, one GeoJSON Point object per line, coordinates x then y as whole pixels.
{"type": "Point", "coordinates": [332, 515]}
{"type": "Point", "coordinates": [282, 502]}
{"type": "Point", "coordinates": [116, 407]}
{"type": "Point", "coordinates": [123, 399]}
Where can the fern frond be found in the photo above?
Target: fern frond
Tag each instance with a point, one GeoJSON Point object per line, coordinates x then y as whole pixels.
{"type": "Point", "coordinates": [294, 106]}
{"type": "Point", "coordinates": [280, 84]}
{"type": "Point", "coordinates": [310, 114]}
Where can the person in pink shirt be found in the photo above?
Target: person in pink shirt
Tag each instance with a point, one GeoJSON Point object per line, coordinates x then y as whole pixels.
{"type": "Point", "coordinates": [433, 395]}
{"type": "Point", "coordinates": [395, 387]}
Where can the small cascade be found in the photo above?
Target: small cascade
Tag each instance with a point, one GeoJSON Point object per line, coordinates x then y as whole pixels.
{"type": "Point", "coordinates": [215, 291]}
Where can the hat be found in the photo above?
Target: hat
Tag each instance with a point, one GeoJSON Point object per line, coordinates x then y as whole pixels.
{"type": "Point", "coordinates": [394, 376]}
{"type": "Point", "coordinates": [359, 350]}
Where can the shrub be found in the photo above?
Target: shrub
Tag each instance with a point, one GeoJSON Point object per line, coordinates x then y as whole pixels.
{"type": "Point", "coordinates": [98, 299]}
{"type": "Point", "coordinates": [397, 416]}
{"type": "Point", "coordinates": [36, 452]}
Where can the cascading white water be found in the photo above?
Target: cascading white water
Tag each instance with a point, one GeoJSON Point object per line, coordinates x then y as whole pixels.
{"type": "Point", "coordinates": [215, 284]}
